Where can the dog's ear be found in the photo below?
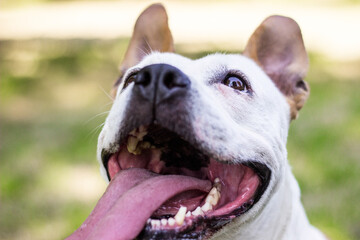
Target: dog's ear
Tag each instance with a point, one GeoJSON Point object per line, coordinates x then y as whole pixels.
{"type": "Point", "coordinates": [277, 46]}
{"type": "Point", "coordinates": [151, 33]}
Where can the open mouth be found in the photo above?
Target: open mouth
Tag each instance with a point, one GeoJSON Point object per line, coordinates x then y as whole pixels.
{"type": "Point", "coordinates": [184, 193]}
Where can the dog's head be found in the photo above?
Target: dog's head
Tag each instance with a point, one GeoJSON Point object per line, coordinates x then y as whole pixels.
{"type": "Point", "coordinates": [193, 145]}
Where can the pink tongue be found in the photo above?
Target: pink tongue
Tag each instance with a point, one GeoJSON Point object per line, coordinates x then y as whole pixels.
{"type": "Point", "coordinates": [130, 199]}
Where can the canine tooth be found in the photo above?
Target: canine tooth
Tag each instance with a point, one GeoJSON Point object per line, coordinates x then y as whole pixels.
{"type": "Point", "coordinates": [213, 191]}
{"type": "Point", "coordinates": [164, 222]}
{"type": "Point", "coordinates": [213, 199]}
{"type": "Point", "coordinates": [197, 212]}
{"type": "Point", "coordinates": [171, 222]}
{"type": "Point", "coordinates": [213, 196]}
{"type": "Point", "coordinates": [210, 199]}
{"type": "Point", "coordinates": [132, 143]}
{"type": "Point", "coordinates": [217, 184]}
{"type": "Point", "coordinates": [180, 215]}
{"type": "Point", "coordinates": [206, 207]}
{"type": "Point", "coordinates": [188, 214]}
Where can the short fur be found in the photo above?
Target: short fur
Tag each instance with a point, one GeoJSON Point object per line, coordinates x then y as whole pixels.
{"type": "Point", "coordinates": [233, 126]}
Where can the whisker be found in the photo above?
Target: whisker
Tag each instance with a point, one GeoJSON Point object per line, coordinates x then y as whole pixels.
{"type": "Point", "coordinates": [92, 132]}
{"type": "Point", "coordinates": [97, 115]}
{"type": "Point", "coordinates": [108, 95]}
{"type": "Point", "coordinates": [148, 45]}
{"type": "Point", "coordinates": [143, 51]}
{"type": "Point", "coordinates": [107, 104]}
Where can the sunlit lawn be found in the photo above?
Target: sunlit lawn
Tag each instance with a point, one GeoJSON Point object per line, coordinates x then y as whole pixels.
{"type": "Point", "coordinates": [51, 93]}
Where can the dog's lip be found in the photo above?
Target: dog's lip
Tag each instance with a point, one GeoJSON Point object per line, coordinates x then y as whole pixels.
{"type": "Point", "coordinates": [212, 222]}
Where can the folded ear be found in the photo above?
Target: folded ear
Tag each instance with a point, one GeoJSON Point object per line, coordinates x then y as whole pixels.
{"type": "Point", "coordinates": [151, 33]}
{"type": "Point", "coordinates": [277, 46]}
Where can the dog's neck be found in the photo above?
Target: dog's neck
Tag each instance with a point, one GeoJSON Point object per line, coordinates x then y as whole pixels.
{"type": "Point", "coordinates": [287, 221]}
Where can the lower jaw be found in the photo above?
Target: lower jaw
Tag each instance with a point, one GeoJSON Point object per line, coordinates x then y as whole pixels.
{"type": "Point", "coordinates": [199, 223]}
{"type": "Point", "coordinates": [199, 227]}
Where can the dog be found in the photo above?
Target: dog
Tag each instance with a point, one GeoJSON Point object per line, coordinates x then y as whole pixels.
{"type": "Point", "coordinates": [196, 149]}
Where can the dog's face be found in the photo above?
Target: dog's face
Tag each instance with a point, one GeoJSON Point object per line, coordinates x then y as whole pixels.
{"type": "Point", "coordinates": [193, 145]}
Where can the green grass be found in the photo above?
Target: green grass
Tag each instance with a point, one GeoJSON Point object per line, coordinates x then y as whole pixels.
{"type": "Point", "coordinates": [52, 91]}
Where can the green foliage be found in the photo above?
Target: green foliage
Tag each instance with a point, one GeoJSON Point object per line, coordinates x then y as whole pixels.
{"type": "Point", "coordinates": [51, 93]}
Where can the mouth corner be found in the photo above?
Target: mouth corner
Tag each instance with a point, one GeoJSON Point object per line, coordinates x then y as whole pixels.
{"type": "Point", "coordinates": [235, 188]}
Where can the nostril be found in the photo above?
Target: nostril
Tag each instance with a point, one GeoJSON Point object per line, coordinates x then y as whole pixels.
{"type": "Point", "coordinates": [172, 80]}
{"type": "Point", "coordinates": [169, 80]}
{"type": "Point", "coordinates": [143, 79]}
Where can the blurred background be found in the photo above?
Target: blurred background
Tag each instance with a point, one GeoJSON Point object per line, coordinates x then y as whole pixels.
{"type": "Point", "coordinates": [58, 60]}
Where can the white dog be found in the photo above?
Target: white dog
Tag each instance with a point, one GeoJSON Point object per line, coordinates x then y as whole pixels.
{"type": "Point", "coordinates": [196, 149]}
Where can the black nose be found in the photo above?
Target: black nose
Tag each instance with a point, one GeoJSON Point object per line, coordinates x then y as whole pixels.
{"type": "Point", "coordinates": [159, 82]}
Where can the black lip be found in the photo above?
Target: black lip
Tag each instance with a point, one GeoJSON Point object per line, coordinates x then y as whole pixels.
{"type": "Point", "coordinates": [105, 156]}
{"type": "Point", "coordinates": [264, 174]}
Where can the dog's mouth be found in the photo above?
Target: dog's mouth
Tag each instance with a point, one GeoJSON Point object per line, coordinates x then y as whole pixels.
{"type": "Point", "coordinates": [175, 190]}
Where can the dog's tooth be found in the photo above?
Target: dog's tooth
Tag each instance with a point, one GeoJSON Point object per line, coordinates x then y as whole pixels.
{"type": "Point", "coordinates": [215, 200]}
{"type": "Point", "coordinates": [213, 196]}
{"type": "Point", "coordinates": [171, 222]}
{"type": "Point", "coordinates": [210, 199]}
{"type": "Point", "coordinates": [188, 214]}
{"type": "Point", "coordinates": [139, 133]}
{"type": "Point", "coordinates": [133, 132]}
{"type": "Point", "coordinates": [142, 129]}
{"type": "Point", "coordinates": [213, 191]}
{"type": "Point", "coordinates": [131, 144]}
{"type": "Point", "coordinates": [206, 207]}
{"type": "Point", "coordinates": [217, 184]}
{"type": "Point", "coordinates": [180, 215]}
{"type": "Point", "coordinates": [197, 212]}
{"type": "Point", "coordinates": [164, 222]}
{"type": "Point", "coordinates": [155, 223]}
{"type": "Point", "coordinates": [145, 145]}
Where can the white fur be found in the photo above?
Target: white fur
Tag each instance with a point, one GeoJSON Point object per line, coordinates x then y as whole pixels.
{"type": "Point", "coordinates": [236, 126]}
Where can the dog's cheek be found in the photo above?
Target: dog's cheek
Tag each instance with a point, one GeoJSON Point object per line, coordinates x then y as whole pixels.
{"type": "Point", "coordinates": [236, 104]}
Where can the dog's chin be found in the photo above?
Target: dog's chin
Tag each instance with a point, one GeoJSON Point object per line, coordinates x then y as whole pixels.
{"type": "Point", "coordinates": [212, 194]}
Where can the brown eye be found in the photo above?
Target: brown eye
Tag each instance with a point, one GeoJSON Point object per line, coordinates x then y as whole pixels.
{"type": "Point", "coordinates": [130, 79]}
{"type": "Point", "coordinates": [235, 83]}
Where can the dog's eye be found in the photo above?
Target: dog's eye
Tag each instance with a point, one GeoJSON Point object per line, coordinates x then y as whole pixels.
{"type": "Point", "coordinates": [235, 82]}
{"type": "Point", "coordinates": [131, 78]}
